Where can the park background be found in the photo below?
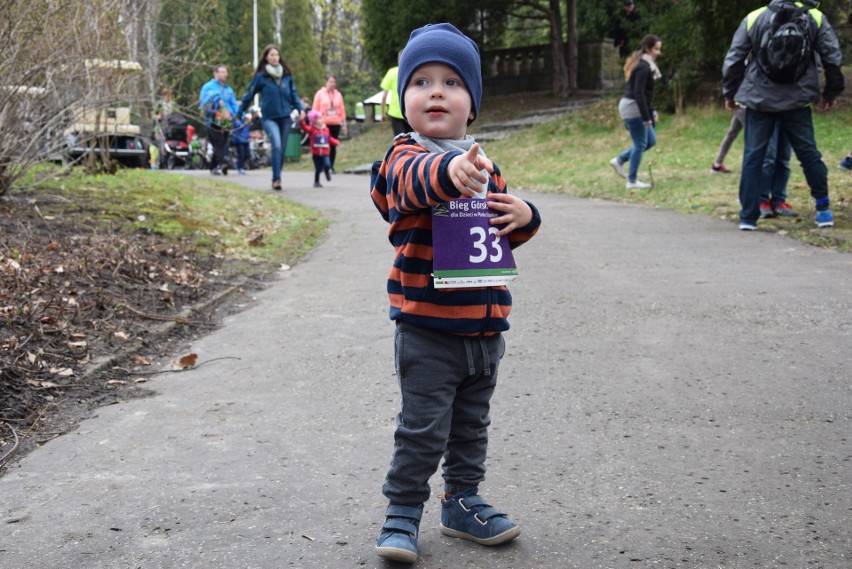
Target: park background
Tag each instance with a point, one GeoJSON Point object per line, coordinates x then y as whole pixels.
{"type": "Point", "coordinates": [94, 251]}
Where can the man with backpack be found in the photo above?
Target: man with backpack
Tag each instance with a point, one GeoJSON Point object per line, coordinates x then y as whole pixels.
{"type": "Point", "coordinates": [772, 69]}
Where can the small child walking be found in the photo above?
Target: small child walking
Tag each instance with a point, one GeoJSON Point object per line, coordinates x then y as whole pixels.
{"type": "Point", "coordinates": [448, 341]}
{"type": "Point", "coordinates": [240, 142]}
{"type": "Point", "coordinates": [321, 143]}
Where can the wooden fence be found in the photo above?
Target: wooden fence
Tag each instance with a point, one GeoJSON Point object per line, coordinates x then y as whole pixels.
{"type": "Point", "coordinates": [517, 70]}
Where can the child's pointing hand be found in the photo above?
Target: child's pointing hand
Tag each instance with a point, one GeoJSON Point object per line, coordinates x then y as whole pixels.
{"type": "Point", "coordinates": [465, 171]}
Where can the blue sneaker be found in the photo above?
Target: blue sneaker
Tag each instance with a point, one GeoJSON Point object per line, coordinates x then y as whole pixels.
{"type": "Point", "coordinates": [469, 516]}
{"type": "Point", "coordinates": [398, 539]}
{"type": "Point", "coordinates": [824, 218]}
{"type": "Point", "coordinates": [846, 164]}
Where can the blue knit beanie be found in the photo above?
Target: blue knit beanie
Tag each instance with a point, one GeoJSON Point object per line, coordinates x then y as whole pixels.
{"type": "Point", "coordinates": [442, 43]}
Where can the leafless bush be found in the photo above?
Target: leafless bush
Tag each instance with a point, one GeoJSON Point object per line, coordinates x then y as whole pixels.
{"type": "Point", "coordinates": [58, 61]}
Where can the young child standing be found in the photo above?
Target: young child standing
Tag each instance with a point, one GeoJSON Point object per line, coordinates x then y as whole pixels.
{"type": "Point", "coordinates": [448, 341]}
{"type": "Point", "coordinates": [321, 143]}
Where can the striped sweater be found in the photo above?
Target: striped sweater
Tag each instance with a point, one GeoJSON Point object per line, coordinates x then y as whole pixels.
{"type": "Point", "coordinates": [404, 187]}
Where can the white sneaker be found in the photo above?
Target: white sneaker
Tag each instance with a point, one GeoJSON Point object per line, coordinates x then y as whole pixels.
{"type": "Point", "coordinates": [637, 185]}
{"type": "Point", "coordinates": [619, 169]}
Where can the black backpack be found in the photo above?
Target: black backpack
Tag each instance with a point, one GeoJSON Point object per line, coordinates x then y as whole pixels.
{"type": "Point", "coordinates": [786, 48]}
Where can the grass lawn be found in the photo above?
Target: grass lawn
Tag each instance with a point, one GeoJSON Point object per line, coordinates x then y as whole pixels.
{"type": "Point", "coordinates": [570, 155]}
{"type": "Point", "coordinates": [221, 218]}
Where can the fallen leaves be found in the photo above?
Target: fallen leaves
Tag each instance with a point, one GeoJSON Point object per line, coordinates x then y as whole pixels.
{"type": "Point", "coordinates": [74, 295]}
{"type": "Point", "coordinates": [141, 361]}
{"type": "Point", "coordinates": [186, 362]}
{"type": "Point", "coordinates": [42, 384]}
{"type": "Point", "coordinates": [256, 240]}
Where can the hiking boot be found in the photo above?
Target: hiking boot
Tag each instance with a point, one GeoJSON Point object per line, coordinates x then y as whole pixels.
{"type": "Point", "coordinates": [398, 539]}
{"type": "Point", "coordinates": [783, 209]}
{"type": "Point", "coordinates": [637, 185]}
{"type": "Point", "coordinates": [824, 218]}
{"type": "Point", "coordinates": [618, 167]}
{"type": "Point", "coordinates": [469, 516]}
{"type": "Point", "coordinates": [766, 209]}
{"type": "Point", "coordinates": [747, 226]}
{"type": "Point", "coordinates": [719, 169]}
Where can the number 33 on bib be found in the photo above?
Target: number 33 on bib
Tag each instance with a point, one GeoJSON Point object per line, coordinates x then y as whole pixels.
{"type": "Point", "coordinates": [467, 252]}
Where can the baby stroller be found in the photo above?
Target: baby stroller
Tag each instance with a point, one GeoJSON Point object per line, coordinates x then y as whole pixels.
{"type": "Point", "coordinates": [176, 147]}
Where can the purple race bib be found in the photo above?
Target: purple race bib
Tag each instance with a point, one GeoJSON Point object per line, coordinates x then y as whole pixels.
{"type": "Point", "coordinates": [320, 140]}
{"type": "Point", "coordinates": [467, 251]}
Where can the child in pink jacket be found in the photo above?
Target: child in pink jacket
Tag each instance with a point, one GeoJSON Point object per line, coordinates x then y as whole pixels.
{"type": "Point", "coordinates": [321, 143]}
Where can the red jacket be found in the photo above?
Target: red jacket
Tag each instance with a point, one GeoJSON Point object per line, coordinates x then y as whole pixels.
{"type": "Point", "coordinates": [321, 139]}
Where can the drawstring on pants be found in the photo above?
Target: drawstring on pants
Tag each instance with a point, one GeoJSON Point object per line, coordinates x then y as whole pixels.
{"type": "Point", "coordinates": [483, 349]}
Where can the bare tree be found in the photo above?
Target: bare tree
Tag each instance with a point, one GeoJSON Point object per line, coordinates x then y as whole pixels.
{"type": "Point", "coordinates": [58, 65]}
{"type": "Point", "coordinates": [563, 56]}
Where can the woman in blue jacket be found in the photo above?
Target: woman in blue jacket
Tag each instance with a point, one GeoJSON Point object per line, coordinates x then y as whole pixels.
{"type": "Point", "coordinates": [278, 98]}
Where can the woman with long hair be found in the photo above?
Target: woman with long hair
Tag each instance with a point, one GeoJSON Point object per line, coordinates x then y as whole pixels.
{"type": "Point", "coordinates": [636, 109]}
{"type": "Point", "coordinates": [278, 98]}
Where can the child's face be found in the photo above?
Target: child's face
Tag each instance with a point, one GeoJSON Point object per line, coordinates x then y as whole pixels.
{"type": "Point", "coordinates": [437, 103]}
{"type": "Point", "coordinates": [319, 123]}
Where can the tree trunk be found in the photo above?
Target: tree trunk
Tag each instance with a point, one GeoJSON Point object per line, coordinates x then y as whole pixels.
{"type": "Point", "coordinates": [572, 43]}
{"type": "Point", "coordinates": [557, 52]}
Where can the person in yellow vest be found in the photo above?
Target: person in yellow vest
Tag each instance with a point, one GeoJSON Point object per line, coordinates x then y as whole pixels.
{"type": "Point", "coordinates": [772, 69]}
{"type": "Point", "coordinates": [329, 102]}
{"type": "Point", "coordinates": [390, 101]}
{"type": "Point", "coordinates": [153, 155]}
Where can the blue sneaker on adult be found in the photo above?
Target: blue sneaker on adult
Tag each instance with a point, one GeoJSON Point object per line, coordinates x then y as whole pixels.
{"type": "Point", "coordinates": [824, 218]}
{"type": "Point", "coordinates": [846, 164]}
{"type": "Point", "coordinates": [398, 539]}
{"type": "Point", "coordinates": [469, 516]}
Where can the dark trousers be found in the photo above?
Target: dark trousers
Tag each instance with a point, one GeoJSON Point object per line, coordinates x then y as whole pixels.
{"type": "Point", "coordinates": [334, 132]}
{"type": "Point", "coordinates": [446, 383]}
{"type": "Point", "coordinates": [219, 139]}
{"type": "Point", "coordinates": [243, 153]}
{"type": "Point", "coordinates": [798, 127]}
{"type": "Point", "coordinates": [321, 164]}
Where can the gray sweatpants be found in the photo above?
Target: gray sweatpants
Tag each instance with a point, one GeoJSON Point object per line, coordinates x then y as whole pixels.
{"type": "Point", "coordinates": [737, 123]}
{"type": "Point", "coordinates": [446, 383]}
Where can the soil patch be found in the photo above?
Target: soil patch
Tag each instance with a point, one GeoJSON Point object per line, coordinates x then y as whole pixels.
{"type": "Point", "coordinates": [86, 313]}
